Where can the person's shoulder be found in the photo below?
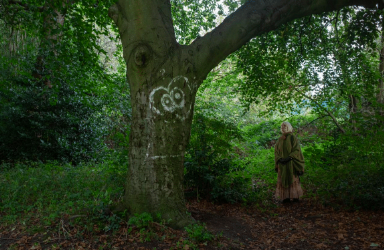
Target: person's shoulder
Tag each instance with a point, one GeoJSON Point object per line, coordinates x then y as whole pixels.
{"type": "Point", "coordinates": [278, 141]}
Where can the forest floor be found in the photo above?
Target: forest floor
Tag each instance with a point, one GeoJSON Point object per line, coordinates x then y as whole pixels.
{"type": "Point", "coordinates": [298, 225]}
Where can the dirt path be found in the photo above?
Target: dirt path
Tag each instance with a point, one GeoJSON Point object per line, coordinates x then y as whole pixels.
{"type": "Point", "coordinates": [293, 226]}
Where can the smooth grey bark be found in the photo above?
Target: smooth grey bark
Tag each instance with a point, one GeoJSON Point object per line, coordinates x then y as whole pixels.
{"type": "Point", "coordinates": [164, 77]}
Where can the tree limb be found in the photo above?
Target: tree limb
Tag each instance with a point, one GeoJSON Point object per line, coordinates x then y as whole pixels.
{"type": "Point", "coordinates": [306, 125]}
{"type": "Point", "coordinates": [336, 31]}
{"type": "Point", "coordinates": [254, 18]}
{"type": "Point", "coordinates": [324, 109]}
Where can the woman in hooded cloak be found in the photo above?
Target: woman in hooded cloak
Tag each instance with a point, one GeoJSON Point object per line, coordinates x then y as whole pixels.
{"type": "Point", "coordinates": [289, 165]}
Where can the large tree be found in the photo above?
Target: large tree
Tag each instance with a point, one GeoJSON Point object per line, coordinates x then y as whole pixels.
{"type": "Point", "coordinates": [164, 77]}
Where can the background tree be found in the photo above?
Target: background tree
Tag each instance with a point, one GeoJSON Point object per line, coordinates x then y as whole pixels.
{"type": "Point", "coordinates": [57, 98]}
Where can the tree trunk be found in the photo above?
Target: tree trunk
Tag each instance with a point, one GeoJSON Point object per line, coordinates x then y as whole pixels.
{"type": "Point", "coordinates": [163, 87]}
{"type": "Point", "coordinates": [160, 130]}
{"type": "Point", "coordinates": [53, 19]}
{"type": "Point", "coordinates": [380, 94]}
{"type": "Point", "coordinates": [353, 109]}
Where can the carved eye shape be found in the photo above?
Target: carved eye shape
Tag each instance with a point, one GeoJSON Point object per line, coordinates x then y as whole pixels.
{"type": "Point", "coordinates": [178, 97]}
{"type": "Point", "coordinates": [167, 103]}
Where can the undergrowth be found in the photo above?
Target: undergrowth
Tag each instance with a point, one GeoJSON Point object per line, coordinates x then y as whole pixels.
{"type": "Point", "coordinates": [340, 175]}
{"type": "Point", "coordinates": [49, 192]}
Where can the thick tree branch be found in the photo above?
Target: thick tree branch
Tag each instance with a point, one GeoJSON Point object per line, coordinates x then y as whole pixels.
{"type": "Point", "coordinates": [324, 109]}
{"type": "Point", "coordinates": [256, 17]}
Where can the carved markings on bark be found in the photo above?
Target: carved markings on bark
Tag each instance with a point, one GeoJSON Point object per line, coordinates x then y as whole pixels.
{"type": "Point", "coordinates": [172, 99]}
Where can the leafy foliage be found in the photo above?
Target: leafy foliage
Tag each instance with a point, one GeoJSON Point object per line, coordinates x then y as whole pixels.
{"type": "Point", "coordinates": [209, 168]}
{"type": "Point", "coordinates": [141, 220]}
{"type": "Point", "coordinates": [47, 192]}
{"type": "Point", "coordinates": [40, 124]}
{"type": "Point", "coordinates": [60, 101]}
{"type": "Point", "coordinates": [192, 17]}
{"type": "Point", "coordinates": [198, 233]}
{"type": "Point", "coordinates": [264, 133]}
{"type": "Point", "coordinates": [348, 170]}
{"type": "Point", "coordinates": [317, 61]}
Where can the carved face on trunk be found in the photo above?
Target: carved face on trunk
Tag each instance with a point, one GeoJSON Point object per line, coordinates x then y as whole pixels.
{"type": "Point", "coordinates": [175, 98]}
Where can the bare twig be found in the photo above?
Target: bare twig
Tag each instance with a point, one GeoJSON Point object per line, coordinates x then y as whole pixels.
{"type": "Point", "coordinates": [64, 230]}
{"type": "Point", "coordinates": [76, 216]}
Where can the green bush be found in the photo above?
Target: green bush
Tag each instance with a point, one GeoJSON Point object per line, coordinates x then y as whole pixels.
{"type": "Point", "coordinates": [43, 124]}
{"type": "Point", "coordinates": [140, 220]}
{"type": "Point", "coordinates": [210, 171]}
{"type": "Point", "coordinates": [347, 170]}
{"type": "Point", "coordinates": [264, 134]}
{"type": "Point", "coordinates": [198, 233]}
{"type": "Point", "coordinates": [58, 100]}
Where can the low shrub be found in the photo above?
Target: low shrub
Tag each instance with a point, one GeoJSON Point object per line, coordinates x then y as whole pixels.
{"type": "Point", "coordinates": [198, 233]}
{"type": "Point", "coordinates": [210, 168]}
{"type": "Point", "coordinates": [347, 171]}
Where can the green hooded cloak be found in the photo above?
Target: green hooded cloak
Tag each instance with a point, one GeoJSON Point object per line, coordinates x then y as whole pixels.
{"type": "Point", "coordinates": [288, 146]}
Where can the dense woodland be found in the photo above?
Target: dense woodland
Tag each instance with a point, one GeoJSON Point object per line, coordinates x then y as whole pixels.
{"type": "Point", "coordinates": [74, 129]}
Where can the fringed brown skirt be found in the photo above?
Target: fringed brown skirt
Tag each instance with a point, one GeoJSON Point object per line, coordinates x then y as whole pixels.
{"type": "Point", "coordinates": [292, 192]}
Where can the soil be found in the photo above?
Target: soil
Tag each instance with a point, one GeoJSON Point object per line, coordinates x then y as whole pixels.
{"type": "Point", "coordinates": [297, 225]}
{"type": "Point", "coordinates": [294, 225]}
